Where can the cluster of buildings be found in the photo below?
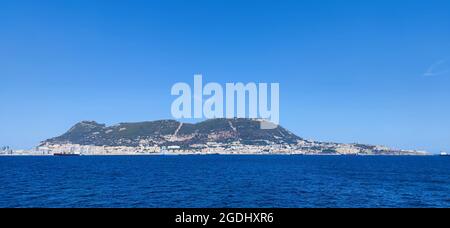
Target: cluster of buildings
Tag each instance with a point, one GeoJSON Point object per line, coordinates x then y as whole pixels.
{"type": "Point", "coordinates": [6, 150]}
{"type": "Point", "coordinates": [302, 147]}
{"type": "Point", "coordinates": [95, 150]}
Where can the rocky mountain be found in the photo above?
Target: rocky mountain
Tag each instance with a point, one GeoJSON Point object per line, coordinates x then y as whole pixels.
{"type": "Point", "coordinates": [229, 136]}
{"type": "Point", "coordinates": [171, 132]}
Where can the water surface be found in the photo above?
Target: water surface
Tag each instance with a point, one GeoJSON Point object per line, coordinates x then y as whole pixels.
{"type": "Point", "coordinates": [225, 181]}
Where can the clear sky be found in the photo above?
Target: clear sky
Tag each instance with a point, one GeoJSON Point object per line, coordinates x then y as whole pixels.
{"type": "Point", "coordinates": [349, 71]}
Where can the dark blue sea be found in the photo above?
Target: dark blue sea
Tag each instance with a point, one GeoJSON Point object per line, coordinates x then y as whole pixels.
{"type": "Point", "coordinates": [225, 181]}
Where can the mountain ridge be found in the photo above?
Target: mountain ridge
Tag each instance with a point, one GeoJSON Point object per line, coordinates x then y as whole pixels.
{"type": "Point", "coordinates": [164, 132]}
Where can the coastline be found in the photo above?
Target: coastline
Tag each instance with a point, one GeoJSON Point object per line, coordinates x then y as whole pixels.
{"type": "Point", "coordinates": [221, 154]}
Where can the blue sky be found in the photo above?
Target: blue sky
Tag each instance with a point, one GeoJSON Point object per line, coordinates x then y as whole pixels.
{"type": "Point", "coordinates": [349, 71]}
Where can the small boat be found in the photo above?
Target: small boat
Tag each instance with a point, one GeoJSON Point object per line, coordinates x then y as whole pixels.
{"type": "Point", "coordinates": [65, 154]}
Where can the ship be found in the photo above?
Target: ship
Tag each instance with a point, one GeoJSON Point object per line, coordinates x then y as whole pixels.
{"type": "Point", "coordinates": [444, 154]}
{"type": "Point", "coordinates": [66, 154]}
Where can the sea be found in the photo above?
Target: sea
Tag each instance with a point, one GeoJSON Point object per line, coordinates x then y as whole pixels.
{"type": "Point", "coordinates": [225, 181]}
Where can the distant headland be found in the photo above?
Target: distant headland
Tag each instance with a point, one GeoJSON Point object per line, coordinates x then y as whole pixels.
{"type": "Point", "coordinates": [215, 136]}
